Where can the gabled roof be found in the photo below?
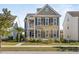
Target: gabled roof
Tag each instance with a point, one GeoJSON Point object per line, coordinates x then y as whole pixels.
{"type": "Point", "coordinates": [74, 13]}
{"type": "Point", "coordinates": [50, 11]}
{"type": "Point", "coordinates": [42, 11]}
{"type": "Point", "coordinates": [30, 14]}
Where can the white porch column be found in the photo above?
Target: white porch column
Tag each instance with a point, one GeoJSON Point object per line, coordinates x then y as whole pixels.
{"type": "Point", "coordinates": [28, 29]}
{"type": "Point", "coordinates": [34, 28]}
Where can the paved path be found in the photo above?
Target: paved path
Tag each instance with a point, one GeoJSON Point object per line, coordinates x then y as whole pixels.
{"type": "Point", "coordinates": [19, 44]}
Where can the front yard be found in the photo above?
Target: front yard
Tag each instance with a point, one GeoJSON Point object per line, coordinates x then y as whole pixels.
{"type": "Point", "coordinates": [31, 46]}
{"type": "Point", "coordinates": [38, 43]}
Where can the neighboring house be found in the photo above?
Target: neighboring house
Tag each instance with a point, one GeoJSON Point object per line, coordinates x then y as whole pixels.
{"type": "Point", "coordinates": [14, 31]}
{"type": "Point", "coordinates": [43, 24]}
{"type": "Point", "coordinates": [71, 26]}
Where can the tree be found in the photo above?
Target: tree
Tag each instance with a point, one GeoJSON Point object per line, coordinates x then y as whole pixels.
{"type": "Point", "coordinates": [6, 21]}
{"type": "Point", "coordinates": [19, 31]}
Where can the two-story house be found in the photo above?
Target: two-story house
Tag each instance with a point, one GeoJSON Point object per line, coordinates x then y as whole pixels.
{"type": "Point", "coordinates": [71, 26]}
{"type": "Point", "coordinates": [43, 24]}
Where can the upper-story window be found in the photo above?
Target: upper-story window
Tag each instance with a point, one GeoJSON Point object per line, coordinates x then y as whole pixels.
{"type": "Point", "coordinates": [38, 21]}
{"type": "Point", "coordinates": [55, 21]}
{"type": "Point", "coordinates": [51, 21]}
{"type": "Point", "coordinates": [42, 20]}
{"type": "Point", "coordinates": [46, 21]}
{"type": "Point", "coordinates": [67, 27]}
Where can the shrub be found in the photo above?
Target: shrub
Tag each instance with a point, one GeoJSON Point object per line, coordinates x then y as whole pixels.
{"type": "Point", "coordinates": [10, 37]}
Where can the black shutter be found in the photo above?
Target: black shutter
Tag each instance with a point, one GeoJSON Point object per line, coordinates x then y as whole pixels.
{"type": "Point", "coordinates": [57, 21]}
{"type": "Point", "coordinates": [25, 29]}
{"type": "Point", "coordinates": [36, 33]}
{"type": "Point", "coordinates": [57, 33]}
{"type": "Point", "coordinates": [44, 21]}
{"type": "Point", "coordinates": [35, 21]}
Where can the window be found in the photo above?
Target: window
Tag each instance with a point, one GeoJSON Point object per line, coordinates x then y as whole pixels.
{"type": "Point", "coordinates": [55, 21]}
{"type": "Point", "coordinates": [38, 21]}
{"type": "Point", "coordinates": [55, 32]}
{"type": "Point", "coordinates": [42, 34]}
{"type": "Point", "coordinates": [46, 21]}
{"type": "Point", "coordinates": [42, 20]}
{"type": "Point", "coordinates": [51, 21]}
{"type": "Point", "coordinates": [46, 34]}
{"type": "Point", "coordinates": [67, 27]}
{"type": "Point", "coordinates": [31, 34]}
{"type": "Point", "coordinates": [39, 33]}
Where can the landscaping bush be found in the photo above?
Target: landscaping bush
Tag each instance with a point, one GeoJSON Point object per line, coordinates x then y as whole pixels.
{"type": "Point", "coordinates": [10, 38]}
{"type": "Point", "coordinates": [34, 40]}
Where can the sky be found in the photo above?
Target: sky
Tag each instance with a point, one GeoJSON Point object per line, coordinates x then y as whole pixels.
{"type": "Point", "coordinates": [21, 10]}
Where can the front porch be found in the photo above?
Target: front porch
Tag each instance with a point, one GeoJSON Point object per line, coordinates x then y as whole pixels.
{"type": "Point", "coordinates": [44, 35]}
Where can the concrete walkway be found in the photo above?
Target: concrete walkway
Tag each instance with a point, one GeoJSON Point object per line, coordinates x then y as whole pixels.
{"type": "Point", "coordinates": [19, 44]}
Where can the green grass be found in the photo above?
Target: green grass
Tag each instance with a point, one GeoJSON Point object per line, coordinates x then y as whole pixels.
{"type": "Point", "coordinates": [30, 43]}
{"type": "Point", "coordinates": [40, 43]}
{"type": "Point", "coordinates": [38, 49]}
{"type": "Point", "coordinates": [9, 43]}
{"type": "Point", "coordinates": [28, 49]}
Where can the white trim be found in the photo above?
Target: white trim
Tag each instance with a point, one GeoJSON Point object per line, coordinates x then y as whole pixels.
{"type": "Point", "coordinates": [48, 7]}
{"type": "Point", "coordinates": [27, 28]}
{"type": "Point", "coordinates": [34, 27]}
{"type": "Point", "coordinates": [46, 15]}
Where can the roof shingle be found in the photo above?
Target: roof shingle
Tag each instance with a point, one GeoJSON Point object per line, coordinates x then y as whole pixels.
{"type": "Point", "coordinates": [74, 13]}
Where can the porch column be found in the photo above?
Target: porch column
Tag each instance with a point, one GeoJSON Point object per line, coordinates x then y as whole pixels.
{"type": "Point", "coordinates": [34, 28]}
{"type": "Point", "coordinates": [28, 29]}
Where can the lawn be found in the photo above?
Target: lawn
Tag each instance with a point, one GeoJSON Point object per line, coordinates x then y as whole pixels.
{"type": "Point", "coordinates": [7, 46]}
{"type": "Point", "coordinates": [28, 49]}
{"type": "Point", "coordinates": [9, 43]}
{"type": "Point", "coordinates": [39, 43]}
{"type": "Point", "coordinates": [67, 49]}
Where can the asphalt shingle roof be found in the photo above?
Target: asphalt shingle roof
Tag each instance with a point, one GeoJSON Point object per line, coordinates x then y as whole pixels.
{"type": "Point", "coordinates": [74, 13]}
